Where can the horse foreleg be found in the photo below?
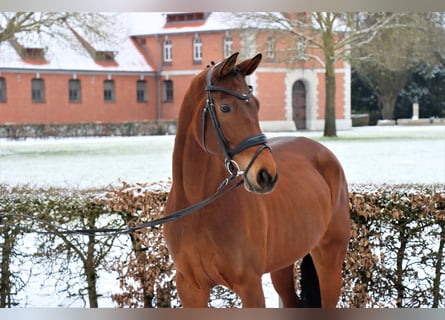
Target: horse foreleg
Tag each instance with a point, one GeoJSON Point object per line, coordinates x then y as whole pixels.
{"type": "Point", "coordinates": [250, 290]}
{"type": "Point", "coordinates": [190, 295]}
{"type": "Point", "coordinates": [284, 284]}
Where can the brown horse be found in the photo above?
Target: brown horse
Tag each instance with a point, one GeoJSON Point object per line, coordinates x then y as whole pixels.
{"type": "Point", "coordinates": [271, 222]}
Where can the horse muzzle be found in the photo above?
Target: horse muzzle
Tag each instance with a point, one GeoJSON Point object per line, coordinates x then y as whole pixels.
{"type": "Point", "coordinates": [263, 182]}
{"type": "Point", "coordinates": [261, 174]}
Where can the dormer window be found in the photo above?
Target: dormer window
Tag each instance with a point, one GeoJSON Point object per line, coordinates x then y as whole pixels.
{"type": "Point", "coordinates": [175, 18]}
{"type": "Point", "coordinates": [27, 53]}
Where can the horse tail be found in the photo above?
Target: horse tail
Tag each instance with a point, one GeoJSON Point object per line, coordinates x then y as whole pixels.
{"type": "Point", "coordinates": [310, 288]}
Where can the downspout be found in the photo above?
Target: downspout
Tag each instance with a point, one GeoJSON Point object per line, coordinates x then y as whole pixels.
{"type": "Point", "coordinates": [158, 94]}
{"type": "Point", "coordinates": [158, 79]}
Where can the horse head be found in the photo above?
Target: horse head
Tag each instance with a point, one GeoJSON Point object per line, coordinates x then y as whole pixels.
{"type": "Point", "coordinates": [234, 133]}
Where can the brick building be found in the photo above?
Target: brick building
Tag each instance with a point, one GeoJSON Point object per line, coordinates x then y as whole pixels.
{"type": "Point", "coordinates": [145, 77]}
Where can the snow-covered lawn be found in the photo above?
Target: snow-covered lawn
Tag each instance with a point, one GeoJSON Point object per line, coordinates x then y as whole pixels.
{"type": "Point", "coordinates": [370, 155]}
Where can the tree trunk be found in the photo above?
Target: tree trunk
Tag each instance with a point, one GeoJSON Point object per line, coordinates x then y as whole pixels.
{"type": "Point", "coordinates": [90, 265]}
{"type": "Point", "coordinates": [388, 105]}
{"type": "Point", "coordinates": [439, 260]}
{"type": "Point", "coordinates": [330, 129]}
{"type": "Point", "coordinates": [141, 259]}
{"type": "Point", "coordinates": [399, 265]}
{"type": "Point", "coordinates": [5, 276]}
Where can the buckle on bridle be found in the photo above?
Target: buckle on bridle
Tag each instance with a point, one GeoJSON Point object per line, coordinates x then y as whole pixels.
{"type": "Point", "coordinates": [233, 167]}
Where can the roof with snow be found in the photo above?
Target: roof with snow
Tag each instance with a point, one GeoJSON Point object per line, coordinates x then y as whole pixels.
{"type": "Point", "coordinates": [73, 51]}
{"type": "Point", "coordinates": [149, 23]}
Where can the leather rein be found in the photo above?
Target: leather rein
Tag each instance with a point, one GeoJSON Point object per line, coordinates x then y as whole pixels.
{"type": "Point", "coordinates": [230, 164]}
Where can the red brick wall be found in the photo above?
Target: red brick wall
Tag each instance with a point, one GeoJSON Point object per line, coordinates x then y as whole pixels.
{"type": "Point", "coordinates": [270, 86]}
{"type": "Point", "coordinates": [56, 107]}
{"type": "Point", "coordinates": [271, 93]}
{"type": "Point", "coordinates": [183, 68]}
{"type": "Point", "coordinates": [182, 49]}
{"type": "Point", "coordinates": [339, 96]}
{"type": "Point", "coordinates": [170, 110]}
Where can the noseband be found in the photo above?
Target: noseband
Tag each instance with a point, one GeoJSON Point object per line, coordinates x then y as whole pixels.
{"type": "Point", "coordinates": [209, 108]}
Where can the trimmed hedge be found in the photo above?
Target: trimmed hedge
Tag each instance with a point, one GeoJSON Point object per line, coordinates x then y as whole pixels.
{"type": "Point", "coordinates": [396, 253]}
{"type": "Point", "coordinates": [395, 257]}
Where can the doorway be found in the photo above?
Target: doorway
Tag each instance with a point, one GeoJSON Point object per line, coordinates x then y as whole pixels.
{"type": "Point", "coordinates": [299, 104]}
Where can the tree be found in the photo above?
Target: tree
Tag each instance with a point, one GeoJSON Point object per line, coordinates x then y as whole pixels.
{"type": "Point", "coordinates": [364, 99]}
{"type": "Point", "coordinates": [309, 33]}
{"type": "Point", "coordinates": [14, 204]}
{"type": "Point", "coordinates": [388, 61]}
{"type": "Point", "coordinates": [96, 27]}
{"type": "Point", "coordinates": [10, 254]}
{"type": "Point", "coordinates": [61, 253]}
{"type": "Point", "coordinates": [146, 272]}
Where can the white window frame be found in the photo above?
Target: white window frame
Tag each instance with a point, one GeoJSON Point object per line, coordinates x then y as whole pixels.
{"type": "Point", "coordinates": [197, 48]}
{"type": "Point", "coordinates": [228, 46]}
{"type": "Point", "coordinates": [168, 49]}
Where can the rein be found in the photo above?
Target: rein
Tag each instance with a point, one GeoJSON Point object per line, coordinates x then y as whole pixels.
{"type": "Point", "coordinates": [222, 190]}
{"type": "Point", "coordinates": [231, 165]}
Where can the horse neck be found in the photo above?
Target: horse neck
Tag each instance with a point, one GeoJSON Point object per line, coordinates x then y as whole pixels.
{"type": "Point", "coordinates": [195, 172]}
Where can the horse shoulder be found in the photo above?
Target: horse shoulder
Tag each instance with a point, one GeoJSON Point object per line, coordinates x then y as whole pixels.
{"type": "Point", "coordinates": [320, 158]}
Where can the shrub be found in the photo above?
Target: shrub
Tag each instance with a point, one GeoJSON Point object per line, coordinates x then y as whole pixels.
{"type": "Point", "coordinates": [395, 256]}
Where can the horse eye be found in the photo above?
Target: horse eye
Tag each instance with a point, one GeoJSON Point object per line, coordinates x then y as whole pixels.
{"type": "Point", "coordinates": [225, 108]}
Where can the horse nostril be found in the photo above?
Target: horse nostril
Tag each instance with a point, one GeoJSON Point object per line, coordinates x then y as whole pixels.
{"type": "Point", "coordinates": [264, 179]}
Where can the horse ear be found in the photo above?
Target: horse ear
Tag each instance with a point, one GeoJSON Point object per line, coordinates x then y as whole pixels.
{"type": "Point", "coordinates": [227, 65]}
{"type": "Point", "coordinates": [247, 67]}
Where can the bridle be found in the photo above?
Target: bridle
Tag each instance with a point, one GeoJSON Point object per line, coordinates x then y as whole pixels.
{"type": "Point", "coordinates": [256, 140]}
{"type": "Point", "coordinates": [231, 165]}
